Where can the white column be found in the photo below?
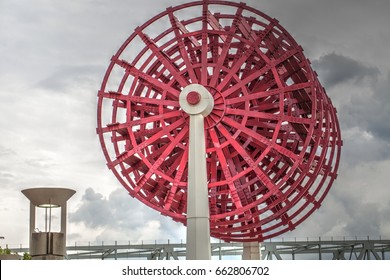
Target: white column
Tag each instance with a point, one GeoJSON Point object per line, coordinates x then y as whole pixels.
{"type": "Point", "coordinates": [197, 101]}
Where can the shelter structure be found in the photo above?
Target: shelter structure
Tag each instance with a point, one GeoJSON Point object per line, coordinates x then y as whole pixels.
{"type": "Point", "coordinates": [48, 245]}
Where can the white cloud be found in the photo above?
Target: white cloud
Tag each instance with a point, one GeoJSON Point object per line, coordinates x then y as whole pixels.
{"type": "Point", "coordinates": [121, 218]}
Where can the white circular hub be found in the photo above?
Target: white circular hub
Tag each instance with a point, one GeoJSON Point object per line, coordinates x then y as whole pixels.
{"type": "Point", "coordinates": [195, 99]}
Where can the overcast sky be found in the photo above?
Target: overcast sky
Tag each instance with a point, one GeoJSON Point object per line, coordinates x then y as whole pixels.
{"type": "Point", "coordinates": [53, 55]}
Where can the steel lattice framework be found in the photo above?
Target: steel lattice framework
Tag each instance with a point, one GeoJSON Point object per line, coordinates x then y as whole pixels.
{"type": "Point", "coordinates": [321, 249]}
{"type": "Point", "coordinates": [272, 140]}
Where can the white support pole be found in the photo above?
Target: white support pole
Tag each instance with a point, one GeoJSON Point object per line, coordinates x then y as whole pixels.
{"type": "Point", "coordinates": [197, 101]}
{"type": "Point", "coordinates": [198, 217]}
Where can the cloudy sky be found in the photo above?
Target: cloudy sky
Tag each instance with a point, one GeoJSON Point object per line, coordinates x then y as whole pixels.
{"type": "Point", "coordinates": [53, 55]}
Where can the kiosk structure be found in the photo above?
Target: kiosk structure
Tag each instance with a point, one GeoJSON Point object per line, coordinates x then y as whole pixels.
{"type": "Point", "coordinates": [48, 245]}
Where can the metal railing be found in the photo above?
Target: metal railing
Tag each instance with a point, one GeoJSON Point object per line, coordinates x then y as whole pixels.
{"type": "Point", "coordinates": [352, 248]}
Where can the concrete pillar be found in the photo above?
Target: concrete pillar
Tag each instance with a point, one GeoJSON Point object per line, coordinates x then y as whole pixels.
{"type": "Point", "coordinates": [251, 251]}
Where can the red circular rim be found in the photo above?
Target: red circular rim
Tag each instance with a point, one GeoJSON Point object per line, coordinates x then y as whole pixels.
{"type": "Point", "coordinates": [273, 139]}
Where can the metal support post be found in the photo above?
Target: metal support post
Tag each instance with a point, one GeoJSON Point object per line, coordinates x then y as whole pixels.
{"type": "Point", "coordinates": [197, 101]}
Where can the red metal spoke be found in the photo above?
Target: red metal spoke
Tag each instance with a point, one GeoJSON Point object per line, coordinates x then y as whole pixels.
{"type": "Point", "coordinates": [204, 45]}
{"type": "Point", "coordinates": [226, 172]}
{"type": "Point", "coordinates": [161, 159]}
{"type": "Point", "coordinates": [268, 116]}
{"type": "Point", "coordinates": [251, 162]}
{"type": "Point", "coordinates": [262, 94]}
{"type": "Point", "coordinates": [148, 142]}
{"type": "Point", "coordinates": [179, 175]}
{"type": "Point", "coordinates": [113, 95]}
{"type": "Point", "coordinates": [154, 118]}
{"type": "Point", "coordinates": [245, 81]}
{"type": "Point", "coordinates": [255, 114]}
{"type": "Point", "coordinates": [225, 49]}
{"type": "Point", "coordinates": [287, 55]}
{"type": "Point", "coordinates": [237, 66]}
{"type": "Point", "coordinates": [247, 52]}
{"type": "Point", "coordinates": [154, 154]}
{"type": "Point", "coordinates": [299, 120]}
{"type": "Point", "coordinates": [263, 140]}
{"type": "Point", "coordinates": [154, 101]}
{"type": "Point", "coordinates": [151, 119]}
{"type": "Point", "coordinates": [182, 28]}
{"type": "Point", "coordinates": [152, 82]}
{"type": "Point", "coordinates": [162, 57]}
{"type": "Point", "coordinates": [177, 27]}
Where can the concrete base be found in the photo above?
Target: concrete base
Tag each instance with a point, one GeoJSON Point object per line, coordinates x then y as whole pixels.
{"type": "Point", "coordinates": [47, 246]}
{"type": "Point", "coordinates": [251, 251]}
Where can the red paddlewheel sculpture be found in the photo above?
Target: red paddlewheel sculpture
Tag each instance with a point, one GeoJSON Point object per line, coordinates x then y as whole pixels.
{"type": "Point", "coordinates": [272, 140]}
